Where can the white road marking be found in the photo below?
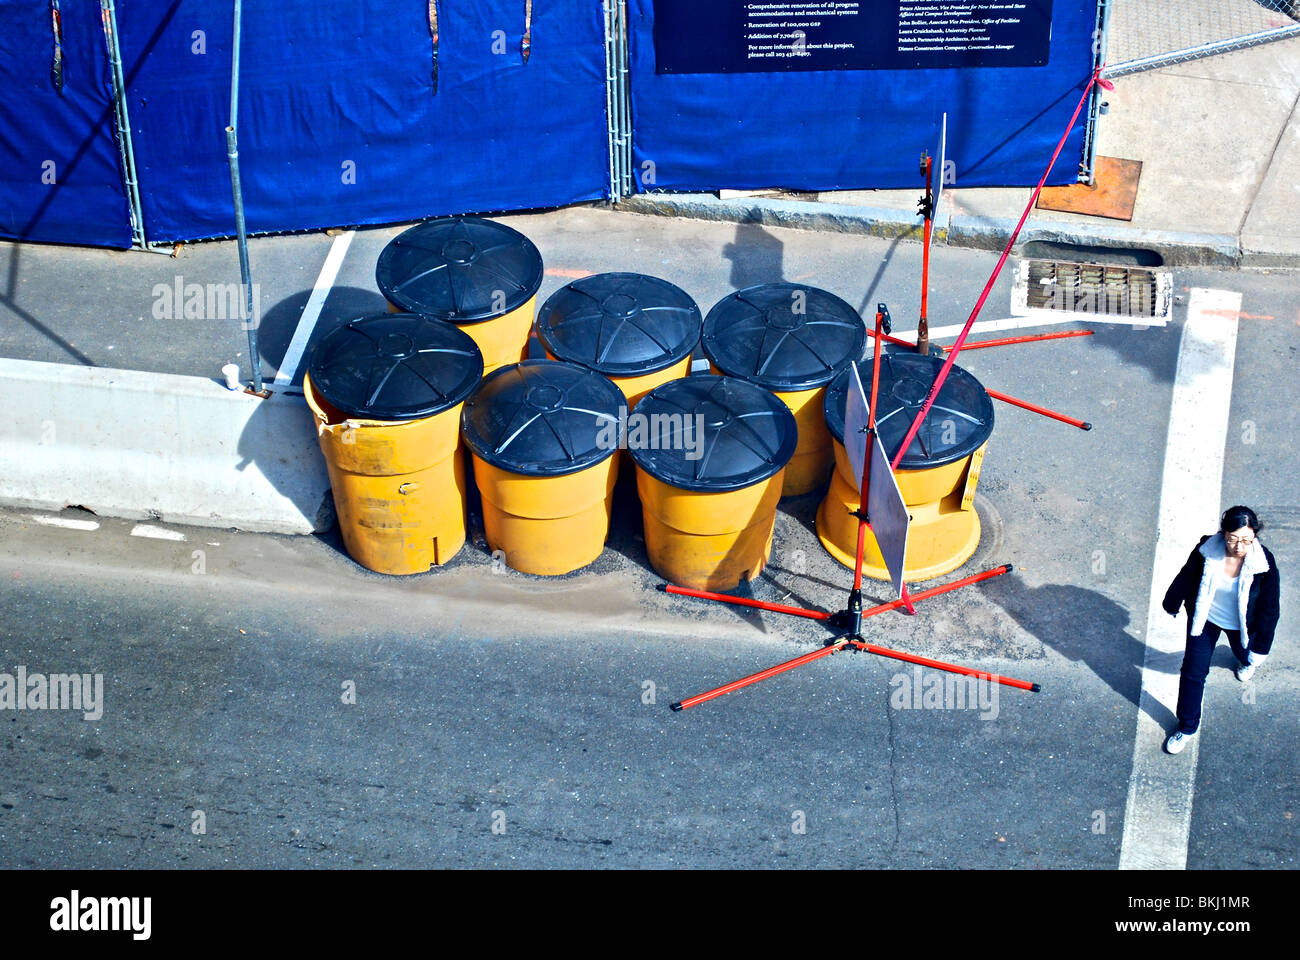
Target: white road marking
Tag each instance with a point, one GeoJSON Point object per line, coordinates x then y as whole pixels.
{"type": "Point", "coordinates": [155, 533]}
{"type": "Point", "coordinates": [1159, 812]}
{"type": "Point", "coordinates": [311, 312]}
{"type": "Point", "coordinates": [987, 326]}
{"type": "Point", "coordinates": [65, 522]}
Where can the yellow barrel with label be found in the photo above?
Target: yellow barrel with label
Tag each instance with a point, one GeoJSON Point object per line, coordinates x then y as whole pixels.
{"type": "Point", "coordinates": [635, 329]}
{"type": "Point", "coordinates": [543, 436]}
{"type": "Point", "coordinates": [710, 454]}
{"type": "Point", "coordinates": [386, 392]}
{"type": "Point", "coordinates": [791, 339]}
{"type": "Point", "coordinates": [937, 476]}
{"type": "Point", "coordinates": [481, 275]}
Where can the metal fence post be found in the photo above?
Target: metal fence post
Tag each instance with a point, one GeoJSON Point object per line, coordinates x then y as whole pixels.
{"type": "Point", "coordinates": [618, 100]}
{"type": "Point", "coordinates": [1100, 42]}
{"type": "Point", "coordinates": [122, 125]}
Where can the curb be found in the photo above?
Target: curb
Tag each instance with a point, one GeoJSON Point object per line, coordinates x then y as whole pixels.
{"type": "Point", "coordinates": [1176, 248]}
{"type": "Point", "coordinates": [144, 446]}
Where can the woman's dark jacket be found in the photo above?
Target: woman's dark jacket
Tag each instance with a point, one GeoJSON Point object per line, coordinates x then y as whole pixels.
{"type": "Point", "coordinates": [1263, 597]}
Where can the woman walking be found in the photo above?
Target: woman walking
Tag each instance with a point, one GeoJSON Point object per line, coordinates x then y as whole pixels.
{"type": "Point", "coordinates": [1229, 585]}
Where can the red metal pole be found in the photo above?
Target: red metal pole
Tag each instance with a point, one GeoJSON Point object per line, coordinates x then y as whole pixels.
{"type": "Point", "coordinates": [1082, 425]}
{"type": "Point", "coordinates": [923, 326]}
{"type": "Point", "coordinates": [988, 287]}
{"type": "Point", "coordinates": [865, 484]}
{"type": "Point", "coordinates": [935, 591]}
{"type": "Point", "coordinates": [888, 339]}
{"type": "Point", "coordinates": [950, 667]}
{"type": "Point", "coordinates": [828, 650]}
{"type": "Point", "coordinates": [1005, 341]}
{"type": "Point", "coordinates": [756, 677]}
{"type": "Point", "coordinates": [747, 602]}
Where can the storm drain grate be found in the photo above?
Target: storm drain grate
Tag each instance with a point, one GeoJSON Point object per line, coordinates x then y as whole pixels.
{"type": "Point", "coordinates": [1092, 291]}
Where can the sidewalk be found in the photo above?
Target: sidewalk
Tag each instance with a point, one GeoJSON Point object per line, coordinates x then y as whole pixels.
{"type": "Point", "coordinates": [1219, 141]}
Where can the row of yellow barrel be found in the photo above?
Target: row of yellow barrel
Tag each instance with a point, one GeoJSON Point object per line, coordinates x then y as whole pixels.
{"type": "Point", "coordinates": [395, 395]}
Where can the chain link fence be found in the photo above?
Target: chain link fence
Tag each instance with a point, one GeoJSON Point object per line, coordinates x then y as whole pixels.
{"type": "Point", "coordinates": [1150, 33]}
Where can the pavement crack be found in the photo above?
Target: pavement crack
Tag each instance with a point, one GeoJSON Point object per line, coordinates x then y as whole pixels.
{"type": "Point", "coordinates": [1272, 157]}
{"type": "Point", "coordinates": [893, 776]}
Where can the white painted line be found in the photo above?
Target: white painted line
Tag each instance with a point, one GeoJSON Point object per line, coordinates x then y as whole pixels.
{"type": "Point", "coordinates": [155, 533]}
{"type": "Point", "coordinates": [311, 312]}
{"type": "Point", "coordinates": [987, 326]}
{"type": "Point", "coordinates": [65, 522]}
{"type": "Point", "coordinates": [1043, 315]}
{"type": "Point", "coordinates": [1159, 812]}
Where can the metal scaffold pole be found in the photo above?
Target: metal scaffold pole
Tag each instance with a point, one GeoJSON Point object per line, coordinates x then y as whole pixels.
{"type": "Point", "coordinates": [122, 124]}
{"type": "Point", "coordinates": [232, 153]}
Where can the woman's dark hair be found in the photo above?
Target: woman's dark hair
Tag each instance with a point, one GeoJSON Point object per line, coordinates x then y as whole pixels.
{"type": "Point", "coordinates": [1234, 518]}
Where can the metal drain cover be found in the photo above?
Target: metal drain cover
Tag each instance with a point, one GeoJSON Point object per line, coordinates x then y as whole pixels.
{"type": "Point", "coordinates": [1092, 292]}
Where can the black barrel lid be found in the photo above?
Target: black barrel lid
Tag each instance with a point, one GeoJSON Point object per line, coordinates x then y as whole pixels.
{"type": "Point", "coordinates": [783, 336]}
{"type": "Point", "coordinates": [742, 433]}
{"type": "Point", "coordinates": [462, 269]}
{"type": "Point", "coordinates": [543, 418]}
{"type": "Point", "coordinates": [905, 379]}
{"type": "Point", "coordinates": [395, 366]}
{"type": "Point", "coordinates": [620, 324]}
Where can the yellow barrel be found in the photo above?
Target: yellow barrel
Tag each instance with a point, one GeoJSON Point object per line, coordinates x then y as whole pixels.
{"type": "Point", "coordinates": [710, 455]}
{"type": "Point", "coordinates": [542, 434]}
{"type": "Point", "coordinates": [635, 329]}
{"type": "Point", "coordinates": [386, 391]}
{"type": "Point", "coordinates": [478, 274]}
{"type": "Point", "coordinates": [937, 476]}
{"type": "Point", "coordinates": [791, 339]}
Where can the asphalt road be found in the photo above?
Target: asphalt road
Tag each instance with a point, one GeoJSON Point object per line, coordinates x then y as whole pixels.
{"type": "Point", "coordinates": [506, 720]}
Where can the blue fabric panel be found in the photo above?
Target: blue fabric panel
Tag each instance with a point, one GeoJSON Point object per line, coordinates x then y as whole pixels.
{"type": "Point", "coordinates": [338, 121]}
{"type": "Point", "coordinates": [66, 138]}
{"type": "Point", "coordinates": [858, 129]}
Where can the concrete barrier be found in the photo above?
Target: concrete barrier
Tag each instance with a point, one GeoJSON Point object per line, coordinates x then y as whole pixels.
{"type": "Point", "coordinates": [125, 443]}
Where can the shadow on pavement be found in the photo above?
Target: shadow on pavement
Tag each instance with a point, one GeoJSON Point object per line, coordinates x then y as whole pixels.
{"type": "Point", "coordinates": [278, 324]}
{"type": "Point", "coordinates": [756, 257]}
{"type": "Point", "coordinates": [1088, 627]}
{"type": "Point", "coordinates": [1084, 626]}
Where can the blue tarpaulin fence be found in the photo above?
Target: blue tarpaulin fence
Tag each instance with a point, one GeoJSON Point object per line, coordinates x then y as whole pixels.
{"type": "Point", "coordinates": [338, 119]}
{"type": "Point", "coordinates": [60, 179]}
{"type": "Point", "coordinates": [340, 124]}
{"type": "Point", "coordinates": [847, 129]}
